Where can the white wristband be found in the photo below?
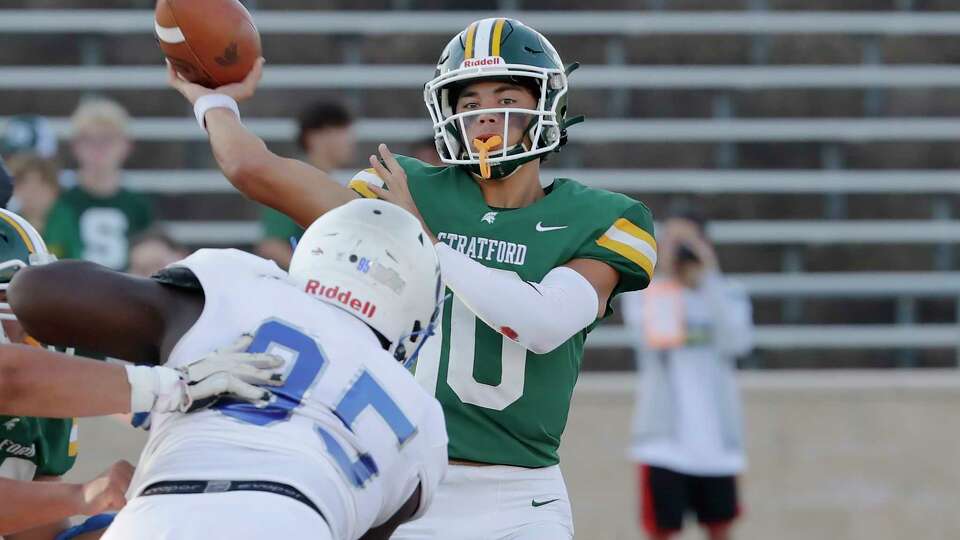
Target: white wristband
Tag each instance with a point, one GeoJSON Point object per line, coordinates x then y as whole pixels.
{"type": "Point", "coordinates": [213, 101]}
{"type": "Point", "coordinates": [154, 388]}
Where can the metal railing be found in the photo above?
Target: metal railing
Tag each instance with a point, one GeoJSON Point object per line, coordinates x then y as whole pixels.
{"type": "Point", "coordinates": [589, 77]}
{"type": "Point", "coordinates": [177, 181]}
{"type": "Point", "coordinates": [79, 21]}
{"type": "Point", "coordinates": [597, 131]}
{"type": "Point", "coordinates": [774, 232]}
{"type": "Point", "coordinates": [879, 336]}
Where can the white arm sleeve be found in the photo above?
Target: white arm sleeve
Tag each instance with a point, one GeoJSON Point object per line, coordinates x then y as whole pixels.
{"type": "Point", "coordinates": [539, 316]}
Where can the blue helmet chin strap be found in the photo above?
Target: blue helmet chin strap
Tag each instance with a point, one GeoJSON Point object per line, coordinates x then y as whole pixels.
{"type": "Point", "coordinates": [422, 334]}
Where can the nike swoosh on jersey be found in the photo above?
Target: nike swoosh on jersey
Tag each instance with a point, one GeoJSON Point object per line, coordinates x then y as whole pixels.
{"type": "Point", "coordinates": [541, 228]}
{"type": "Point", "coordinates": [534, 503]}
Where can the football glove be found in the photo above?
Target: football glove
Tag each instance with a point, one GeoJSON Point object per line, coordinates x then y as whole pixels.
{"type": "Point", "coordinates": [226, 372]}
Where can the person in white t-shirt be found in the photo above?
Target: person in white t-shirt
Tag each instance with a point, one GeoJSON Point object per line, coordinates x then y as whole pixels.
{"type": "Point", "coordinates": [689, 327]}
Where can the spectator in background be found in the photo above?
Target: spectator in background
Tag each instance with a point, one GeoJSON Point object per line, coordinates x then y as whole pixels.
{"type": "Point", "coordinates": [35, 188]}
{"type": "Point", "coordinates": [326, 137]}
{"type": "Point", "coordinates": [153, 251]}
{"type": "Point", "coordinates": [426, 151]}
{"type": "Point", "coordinates": [96, 219]}
{"type": "Point", "coordinates": [24, 134]}
{"type": "Point", "coordinates": [689, 325]}
{"type": "Point", "coordinates": [28, 134]}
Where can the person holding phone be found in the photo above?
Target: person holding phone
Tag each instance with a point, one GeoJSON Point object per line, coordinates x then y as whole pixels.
{"type": "Point", "coordinates": [689, 325]}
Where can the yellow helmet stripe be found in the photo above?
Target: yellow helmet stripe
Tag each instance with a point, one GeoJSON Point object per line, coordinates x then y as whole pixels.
{"type": "Point", "coordinates": [23, 234]}
{"type": "Point", "coordinates": [497, 35]}
{"type": "Point", "coordinates": [471, 34]}
{"type": "Point", "coordinates": [481, 38]}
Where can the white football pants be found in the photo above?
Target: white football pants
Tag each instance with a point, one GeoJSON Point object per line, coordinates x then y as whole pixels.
{"type": "Point", "coordinates": [236, 515]}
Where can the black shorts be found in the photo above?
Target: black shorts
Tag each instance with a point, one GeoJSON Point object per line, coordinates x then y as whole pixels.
{"type": "Point", "coordinates": [666, 496]}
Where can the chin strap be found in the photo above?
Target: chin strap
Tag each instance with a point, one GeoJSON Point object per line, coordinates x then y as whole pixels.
{"type": "Point", "coordinates": [422, 335]}
{"type": "Point", "coordinates": [572, 121]}
{"type": "Point", "coordinates": [563, 128]}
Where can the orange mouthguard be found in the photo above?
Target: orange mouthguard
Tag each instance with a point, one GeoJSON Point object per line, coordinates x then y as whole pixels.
{"type": "Point", "coordinates": [484, 148]}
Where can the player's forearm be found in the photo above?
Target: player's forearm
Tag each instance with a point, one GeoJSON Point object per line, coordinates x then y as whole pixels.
{"type": "Point", "coordinates": [27, 505]}
{"type": "Point", "coordinates": [539, 316]}
{"type": "Point", "coordinates": [238, 152]}
{"type": "Point", "coordinates": [37, 382]}
{"type": "Point", "coordinates": [43, 532]}
{"type": "Point", "coordinates": [292, 187]}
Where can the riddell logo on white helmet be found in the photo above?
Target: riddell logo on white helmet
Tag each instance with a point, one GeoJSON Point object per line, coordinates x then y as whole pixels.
{"type": "Point", "coordinates": [346, 298]}
{"type": "Point", "coordinates": [484, 61]}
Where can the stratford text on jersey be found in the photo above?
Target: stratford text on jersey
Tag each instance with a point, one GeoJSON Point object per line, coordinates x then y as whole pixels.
{"type": "Point", "coordinates": [486, 249]}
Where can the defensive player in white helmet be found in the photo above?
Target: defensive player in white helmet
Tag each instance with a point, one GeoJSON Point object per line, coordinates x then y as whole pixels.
{"type": "Point", "coordinates": [348, 447]}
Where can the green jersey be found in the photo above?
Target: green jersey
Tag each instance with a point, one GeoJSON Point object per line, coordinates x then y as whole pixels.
{"type": "Point", "coordinates": [31, 447]}
{"type": "Point", "coordinates": [98, 229]}
{"type": "Point", "coordinates": [504, 404]}
{"type": "Point", "coordinates": [278, 226]}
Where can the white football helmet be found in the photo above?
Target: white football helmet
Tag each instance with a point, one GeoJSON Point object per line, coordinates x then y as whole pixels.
{"type": "Point", "coordinates": [372, 259]}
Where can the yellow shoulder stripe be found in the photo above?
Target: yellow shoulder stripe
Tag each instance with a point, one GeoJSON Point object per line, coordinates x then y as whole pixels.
{"type": "Point", "coordinates": [628, 253]}
{"type": "Point", "coordinates": [631, 229]}
{"type": "Point", "coordinates": [632, 243]}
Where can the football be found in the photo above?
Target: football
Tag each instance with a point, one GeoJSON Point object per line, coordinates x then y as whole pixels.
{"type": "Point", "coordinates": [208, 42]}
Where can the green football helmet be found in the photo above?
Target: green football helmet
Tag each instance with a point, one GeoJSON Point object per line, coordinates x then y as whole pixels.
{"type": "Point", "coordinates": [499, 49]}
{"type": "Point", "coordinates": [20, 246]}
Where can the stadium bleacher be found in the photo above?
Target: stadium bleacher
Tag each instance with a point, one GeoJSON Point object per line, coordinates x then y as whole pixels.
{"type": "Point", "coordinates": [822, 141]}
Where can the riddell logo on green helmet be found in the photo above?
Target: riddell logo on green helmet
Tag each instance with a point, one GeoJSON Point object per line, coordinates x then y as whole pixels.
{"type": "Point", "coordinates": [480, 62]}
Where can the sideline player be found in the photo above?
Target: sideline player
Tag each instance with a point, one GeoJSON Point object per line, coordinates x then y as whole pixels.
{"type": "Point", "coordinates": [35, 452]}
{"type": "Point", "coordinates": [38, 434]}
{"type": "Point", "coordinates": [350, 447]}
{"type": "Point", "coordinates": [532, 265]}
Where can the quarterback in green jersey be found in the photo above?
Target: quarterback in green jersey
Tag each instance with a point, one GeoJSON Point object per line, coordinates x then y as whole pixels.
{"type": "Point", "coordinates": [532, 265]}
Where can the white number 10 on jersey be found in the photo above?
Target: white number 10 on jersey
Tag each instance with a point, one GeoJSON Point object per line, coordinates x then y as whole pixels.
{"type": "Point", "coordinates": [463, 354]}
